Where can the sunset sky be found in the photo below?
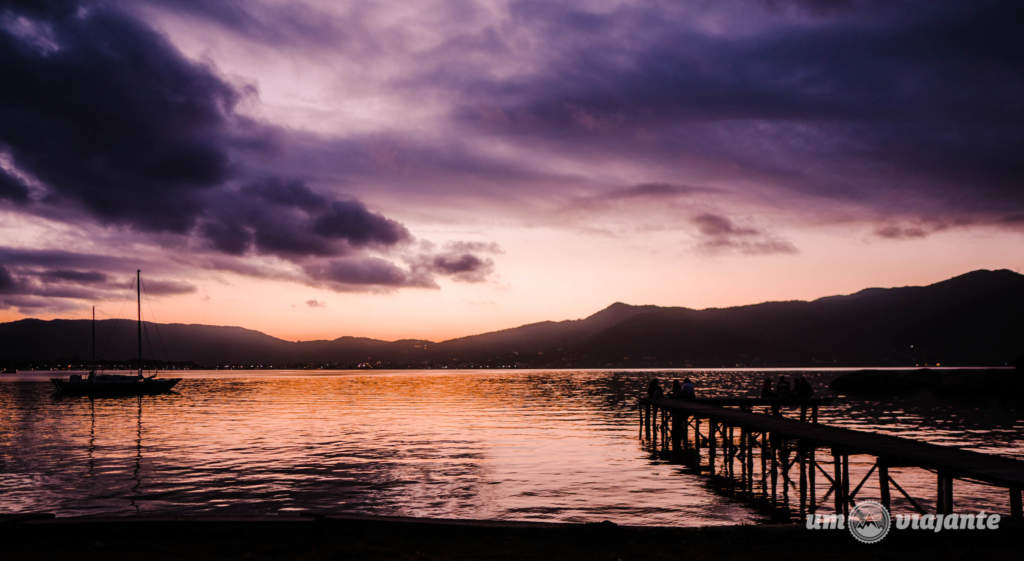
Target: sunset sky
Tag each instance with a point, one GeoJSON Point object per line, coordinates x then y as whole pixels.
{"type": "Point", "coordinates": [438, 168]}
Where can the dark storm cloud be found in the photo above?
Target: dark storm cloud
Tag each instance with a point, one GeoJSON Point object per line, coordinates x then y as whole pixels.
{"type": "Point", "coordinates": [148, 141]}
{"type": "Point", "coordinates": [719, 234]}
{"type": "Point", "coordinates": [291, 193]}
{"type": "Point", "coordinates": [351, 221]}
{"type": "Point", "coordinates": [289, 238]}
{"type": "Point", "coordinates": [902, 65]}
{"type": "Point", "coordinates": [464, 267]}
{"type": "Point", "coordinates": [57, 259]}
{"type": "Point", "coordinates": [370, 273]}
{"type": "Point", "coordinates": [6, 279]}
{"type": "Point", "coordinates": [288, 219]}
{"type": "Point", "coordinates": [42, 8]}
{"type": "Point", "coordinates": [911, 108]}
{"type": "Point", "coordinates": [27, 284]}
{"type": "Point", "coordinates": [121, 129]}
{"type": "Point", "coordinates": [366, 273]}
{"type": "Point", "coordinates": [227, 235]}
{"type": "Point", "coordinates": [69, 275]}
{"type": "Point", "coordinates": [110, 116]}
{"type": "Point", "coordinates": [713, 225]}
{"type": "Point", "coordinates": [917, 99]}
{"type": "Point", "coordinates": [275, 23]}
{"type": "Point", "coordinates": [12, 188]}
{"type": "Point", "coordinates": [457, 263]}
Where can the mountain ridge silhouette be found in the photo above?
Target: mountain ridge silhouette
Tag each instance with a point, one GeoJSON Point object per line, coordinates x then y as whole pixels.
{"type": "Point", "coordinates": [976, 318]}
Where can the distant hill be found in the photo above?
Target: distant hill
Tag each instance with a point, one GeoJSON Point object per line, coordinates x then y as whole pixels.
{"type": "Point", "coordinates": [973, 319]}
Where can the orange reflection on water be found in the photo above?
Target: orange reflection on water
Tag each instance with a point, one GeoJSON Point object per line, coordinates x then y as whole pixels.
{"type": "Point", "coordinates": [523, 445]}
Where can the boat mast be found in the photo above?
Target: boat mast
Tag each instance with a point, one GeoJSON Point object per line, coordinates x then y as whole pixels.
{"type": "Point", "coordinates": [94, 336]}
{"type": "Point", "coordinates": [138, 299]}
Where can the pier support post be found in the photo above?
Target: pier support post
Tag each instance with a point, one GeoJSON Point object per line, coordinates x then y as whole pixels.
{"type": "Point", "coordinates": [657, 428]}
{"type": "Point", "coordinates": [655, 413]}
{"type": "Point", "coordinates": [656, 425]}
{"type": "Point", "coordinates": [712, 448]}
{"type": "Point", "coordinates": [686, 432]}
{"type": "Point", "coordinates": [783, 452]}
{"type": "Point", "coordinates": [647, 420]}
{"type": "Point", "coordinates": [846, 484]}
{"type": "Point", "coordinates": [775, 466]}
{"type": "Point", "coordinates": [1016, 509]}
{"type": "Point", "coordinates": [640, 429]}
{"type": "Point", "coordinates": [677, 437]}
{"type": "Point", "coordinates": [764, 464]}
{"type": "Point", "coordinates": [944, 499]}
{"type": "Point", "coordinates": [802, 455]}
{"type": "Point", "coordinates": [883, 484]}
{"type": "Point", "coordinates": [666, 429]}
{"type": "Point", "coordinates": [743, 452]}
{"type": "Point", "coordinates": [750, 462]}
{"type": "Point", "coordinates": [812, 499]}
{"type": "Point", "coordinates": [696, 435]}
{"type": "Point", "coordinates": [837, 482]}
{"type": "Point", "coordinates": [731, 451]}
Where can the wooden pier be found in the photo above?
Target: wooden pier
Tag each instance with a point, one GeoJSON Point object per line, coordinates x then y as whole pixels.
{"type": "Point", "coordinates": [733, 436]}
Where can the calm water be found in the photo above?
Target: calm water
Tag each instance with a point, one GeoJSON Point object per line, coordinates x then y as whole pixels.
{"type": "Point", "coordinates": [522, 445]}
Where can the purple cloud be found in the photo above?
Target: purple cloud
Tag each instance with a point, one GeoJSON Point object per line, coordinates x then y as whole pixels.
{"type": "Point", "coordinates": [350, 221]}
{"type": "Point", "coordinates": [464, 267]}
{"type": "Point", "coordinates": [25, 286]}
{"type": "Point", "coordinates": [719, 234]}
{"type": "Point", "coordinates": [366, 273]}
{"type": "Point", "coordinates": [154, 143]}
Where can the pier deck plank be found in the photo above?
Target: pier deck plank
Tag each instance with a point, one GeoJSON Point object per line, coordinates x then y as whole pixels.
{"type": "Point", "coordinates": [760, 401]}
{"type": "Point", "coordinates": [963, 464]}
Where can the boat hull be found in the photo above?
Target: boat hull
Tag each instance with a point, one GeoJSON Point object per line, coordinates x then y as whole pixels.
{"type": "Point", "coordinates": [145, 386]}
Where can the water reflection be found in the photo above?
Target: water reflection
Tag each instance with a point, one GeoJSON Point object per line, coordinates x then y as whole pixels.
{"type": "Point", "coordinates": [504, 445]}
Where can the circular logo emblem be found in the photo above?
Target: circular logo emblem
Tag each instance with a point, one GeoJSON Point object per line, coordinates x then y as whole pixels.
{"type": "Point", "coordinates": [868, 522]}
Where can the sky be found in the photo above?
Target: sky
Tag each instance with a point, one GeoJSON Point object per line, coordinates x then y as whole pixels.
{"type": "Point", "coordinates": [440, 168]}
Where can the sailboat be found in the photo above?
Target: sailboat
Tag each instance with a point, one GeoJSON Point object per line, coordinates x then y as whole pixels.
{"type": "Point", "coordinates": [116, 384]}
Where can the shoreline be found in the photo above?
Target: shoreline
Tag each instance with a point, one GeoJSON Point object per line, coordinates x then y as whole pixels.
{"type": "Point", "coordinates": [371, 537]}
{"type": "Point", "coordinates": [658, 369]}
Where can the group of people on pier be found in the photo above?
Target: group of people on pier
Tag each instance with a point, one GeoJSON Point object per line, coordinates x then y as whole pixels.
{"type": "Point", "coordinates": [686, 390]}
{"type": "Point", "coordinates": [799, 389]}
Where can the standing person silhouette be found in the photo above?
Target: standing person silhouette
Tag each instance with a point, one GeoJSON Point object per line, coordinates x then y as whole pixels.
{"type": "Point", "coordinates": [689, 391]}
{"type": "Point", "coordinates": [677, 390]}
{"type": "Point", "coordinates": [783, 388]}
{"type": "Point", "coordinates": [802, 387]}
{"type": "Point", "coordinates": [654, 389]}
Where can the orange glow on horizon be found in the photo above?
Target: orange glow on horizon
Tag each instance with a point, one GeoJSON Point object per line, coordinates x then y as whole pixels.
{"type": "Point", "coordinates": [570, 279]}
